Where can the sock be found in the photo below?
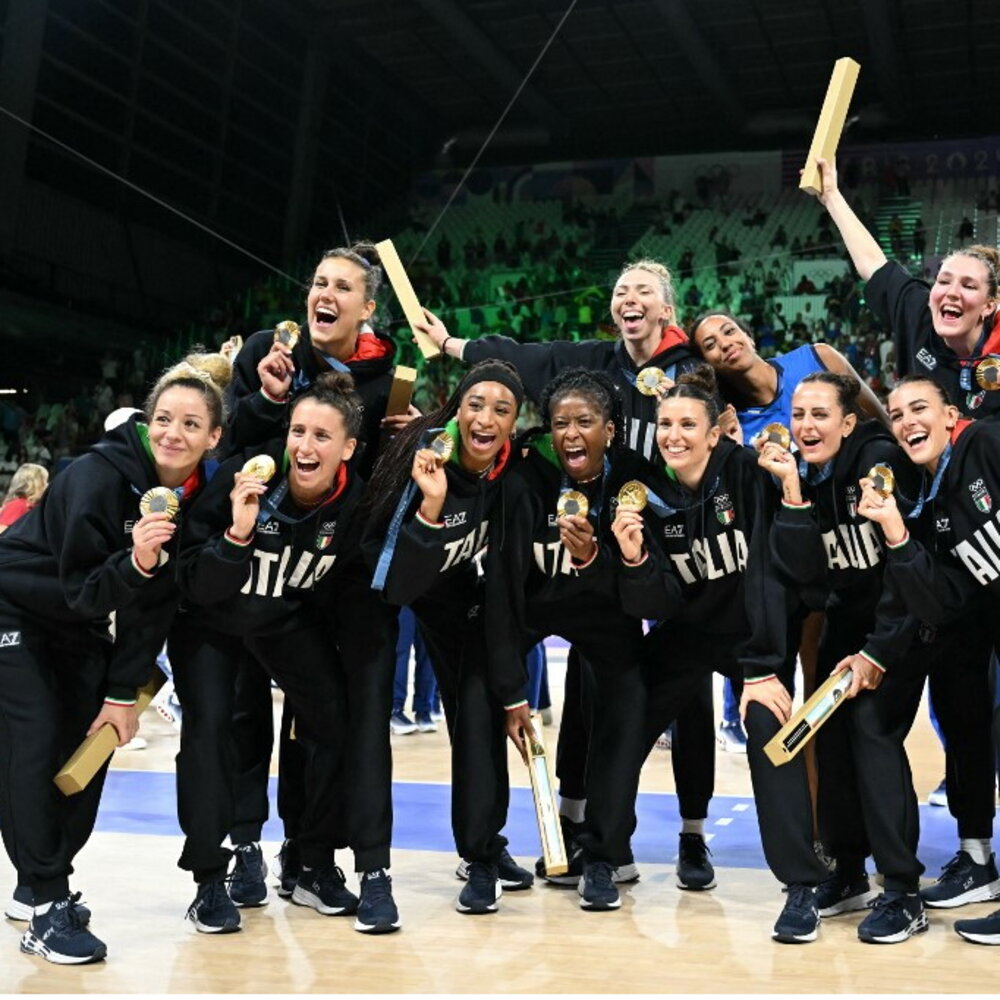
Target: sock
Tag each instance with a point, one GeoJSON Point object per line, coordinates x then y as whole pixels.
{"type": "Point", "coordinates": [693, 826]}
{"type": "Point", "coordinates": [572, 809]}
{"type": "Point", "coordinates": [978, 850]}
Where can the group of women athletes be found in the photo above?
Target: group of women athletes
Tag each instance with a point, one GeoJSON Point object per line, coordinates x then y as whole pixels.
{"type": "Point", "coordinates": [636, 500]}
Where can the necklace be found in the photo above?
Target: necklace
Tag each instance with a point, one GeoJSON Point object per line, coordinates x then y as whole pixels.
{"type": "Point", "coordinates": [489, 468]}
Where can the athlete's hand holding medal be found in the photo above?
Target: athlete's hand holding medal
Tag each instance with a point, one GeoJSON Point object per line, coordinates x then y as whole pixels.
{"type": "Point", "coordinates": [155, 527]}
{"type": "Point", "coordinates": [773, 444]}
{"type": "Point", "coordinates": [276, 368]}
{"type": "Point", "coordinates": [627, 525]}
{"type": "Point", "coordinates": [879, 505]}
{"type": "Point", "coordinates": [251, 485]}
{"type": "Point", "coordinates": [429, 475]}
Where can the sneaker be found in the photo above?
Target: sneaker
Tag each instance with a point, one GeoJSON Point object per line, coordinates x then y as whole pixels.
{"type": "Point", "coordinates": [664, 741]}
{"type": "Point", "coordinates": [512, 876]}
{"type": "Point", "coordinates": [325, 890]}
{"type": "Point", "coordinates": [287, 868]}
{"type": "Point", "coordinates": [694, 870]}
{"type": "Point", "coordinates": [247, 886]}
{"type": "Point", "coordinates": [731, 737]}
{"type": "Point", "coordinates": [401, 724]}
{"type": "Point", "coordinates": [963, 881]}
{"type": "Point", "coordinates": [939, 797]}
{"type": "Point", "coordinates": [167, 705]}
{"type": "Point", "coordinates": [838, 895]}
{"type": "Point", "coordinates": [425, 723]}
{"type": "Point", "coordinates": [377, 913]}
{"type": "Point", "coordinates": [437, 714]}
{"type": "Point", "coordinates": [136, 743]}
{"type": "Point", "coordinates": [985, 930]}
{"type": "Point", "coordinates": [574, 856]}
{"type": "Point", "coordinates": [59, 936]}
{"type": "Point", "coordinates": [597, 888]}
{"type": "Point", "coordinates": [482, 892]}
{"type": "Point", "coordinates": [547, 717]}
{"type": "Point", "coordinates": [22, 905]}
{"type": "Point", "coordinates": [625, 873]}
{"type": "Point", "coordinates": [895, 916]}
{"type": "Point", "coordinates": [212, 911]}
{"type": "Point", "coordinates": [798, 922]}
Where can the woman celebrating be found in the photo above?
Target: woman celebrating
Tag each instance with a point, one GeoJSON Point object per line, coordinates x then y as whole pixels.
{"type": "Point", "coordinates": [697, 561]}
{"type": "Point", "coordinates": [545, 574]}
{"type": "Point", "coordinates": [271, 568]}
{"type": "Point", "coordinates": [95, 544]}
{"type": "Point", "coordinates": [829, 551]}
{"type": "Point", "coordinates": [942, 559]}
{"type": "Point", "coordinates": [945, 331]}
{"type": "Point", "coordinates": [424, 539]}
{"type": "Point", "coordinates": [651, 352]}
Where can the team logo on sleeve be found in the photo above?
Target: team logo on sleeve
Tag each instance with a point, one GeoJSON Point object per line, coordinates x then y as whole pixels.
{"type": "Point", "coordinates": [325, 536]}
{"type": "Point", "coordinates": [973, 400]}
{"type": "Point", "coordinates": [851, 496]}
{"type": "Point", "coordinates": [724, 509]}
{"type": "Point", "coordinates": [927, 359]}
{"type": "Point", "coordinates": [980, 496]}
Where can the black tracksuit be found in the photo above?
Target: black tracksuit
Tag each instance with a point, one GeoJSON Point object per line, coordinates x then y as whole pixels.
{"type": "Point", "coordinates": [253, 420]}
{"type": "Point", "coordinates": [709, 581]}
{"type": "Point", "coordinates": [434, 571]}
{"type": "Point", "coordinates": [534, 588]}
{"type": "Point", "coordinates": [296, 598]}
{"type": "Point", "coordinates": [64, 568]}
{"type": "Point", "coordinates": [693, 757]}
{"type": "Point", "coordinates": [900, 302]}
{"type": "Point", "coordinates": [866, 801]}
{"type": "Point", "coordinates": [949, 574]}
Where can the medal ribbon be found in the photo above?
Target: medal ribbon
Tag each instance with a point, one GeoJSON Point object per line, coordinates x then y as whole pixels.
{"type": "Point", "coordinates": [935, 484]}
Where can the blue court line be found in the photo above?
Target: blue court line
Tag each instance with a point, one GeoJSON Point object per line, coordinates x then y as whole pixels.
{"type": "Point", "coordinates": [144, 802]}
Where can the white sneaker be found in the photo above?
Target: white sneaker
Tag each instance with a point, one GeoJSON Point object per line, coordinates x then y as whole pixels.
{"type": "Point", "coordinates": [401, 724]}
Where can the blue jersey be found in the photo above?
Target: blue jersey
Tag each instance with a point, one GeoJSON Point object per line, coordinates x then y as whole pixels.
{"type": "Point", "coordinates": [791, 368]}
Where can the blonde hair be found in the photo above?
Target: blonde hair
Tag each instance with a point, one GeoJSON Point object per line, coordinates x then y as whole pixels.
{"type": "Point", "coordinates": [661, 271]}
{"type": "Point", "coordinates": [988, 256]}
{"type": "Point", "coordinates": [28, 482]}
{"type": "Point", "coordinates": [208, 374]}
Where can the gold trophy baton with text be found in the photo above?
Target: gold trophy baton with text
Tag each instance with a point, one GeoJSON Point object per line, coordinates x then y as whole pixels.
{"type": "Point", "coordinates": [543, 791]}
{"type": "Point", "coordinates": [802, 726]}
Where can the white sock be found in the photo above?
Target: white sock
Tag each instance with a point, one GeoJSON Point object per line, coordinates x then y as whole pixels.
{"type": "Point", "coordinates": [693, 826]}
{"type": "Point", "coordinates": [978, 850]}
{"type": "Point", "coordinates": [572, 809]}
{"type": "Point", "coordinates": [43, 908]}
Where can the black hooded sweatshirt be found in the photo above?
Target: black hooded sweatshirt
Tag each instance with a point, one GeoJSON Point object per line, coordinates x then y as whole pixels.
{"type": "Point", "coordinates": [538, 364]}
{"type": "Point", "coordinates": [830, 552]}
{"type": "Point", "coordinates": [433, 567]}
{"type": "Point", "coordinates": [533, 586]}
{"type": "Point", "coordinates": [943, 576]}
{"type": "Point", "coordinates": [285, 574]}
{"type": "Point", "coordinates": [255, 418]}
{"type": "Point", "coordinates": [708, 560]}
{"type": "Point", "coordinates": [68, 562]}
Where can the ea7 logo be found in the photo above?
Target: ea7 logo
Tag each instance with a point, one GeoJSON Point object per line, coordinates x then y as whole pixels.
{"type": "Point", "coordinates": [10, 639]}
{"type": "Point", "coordinates": [673, 531]}
{"type": "Point", "coordinates": [927, 359]}
{"type": "Point", "coordinates": [271, 528]}
{"type": "Point", "coordinates": [454, 520]}
{"type": "Point", "coordinates": [128, 526]}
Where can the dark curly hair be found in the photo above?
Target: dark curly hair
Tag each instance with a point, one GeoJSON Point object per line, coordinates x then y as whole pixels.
{"type": "Point", "coordinates": [596, 388]}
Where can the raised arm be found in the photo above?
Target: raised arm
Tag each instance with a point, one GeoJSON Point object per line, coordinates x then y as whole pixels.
{"type": "Point", "coordinates": [865, 252]}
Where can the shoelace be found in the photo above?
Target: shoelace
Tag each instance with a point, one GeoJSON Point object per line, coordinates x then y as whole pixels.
{"type": "Point", "coordinates": [957, 863]}
{"type": "Point", "coordinates": [800, 897]}
{"type": "Point", "coordinates": [695, 846]}
{"type": "Point", "coordinates": [65, 918]}
{"type": "Point", "coordinates": [884, 902]}
{"type": "Point", "coordinates": [251, 859]}
{"type": "Point", "coordinates": [377, 887]}
{"type": "Point", "coordinates": [600, 874]}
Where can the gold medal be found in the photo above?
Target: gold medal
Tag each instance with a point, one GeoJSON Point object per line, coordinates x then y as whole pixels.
{"type": "Point", "coordinates": [633, 495]}
{"type": "Point", "coordinates": [572, 503]}
{"type": "Point", "coordinates": [651, 381]}
{"type": "Point", "coordinates": [442, 446]}
{"type": "Point", "coordinates": [778, 433]}
{"type": "Point", "coordinates": [159, 500]}
{"type": "Point", "coordinates": [988, 373]}
{"type": "Point", "coordinates": [287, 332]}
{"type": "Point", "coordinates": [260, 467]}
{"type": "Point", "coordinates": [883, 480]}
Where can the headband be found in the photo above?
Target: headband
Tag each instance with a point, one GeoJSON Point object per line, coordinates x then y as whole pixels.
{"type": "Point", "coordinates": [493, 373]}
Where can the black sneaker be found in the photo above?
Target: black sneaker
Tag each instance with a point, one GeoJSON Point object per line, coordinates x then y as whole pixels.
{"type": "Point", "coordinates": [22, 905]}
{"type": "Point", "coordinates": [838, 895]}
{"type": "Point", "coordinates": [482, 892]}
{"type": "Point", "coordinates": [377, 913]}
{"type": "Point", "coordinates": [985, 930]}
{"type": "Point", "coordinates": [895, 916]}
{"type": "Point", "coordinates": [59, 936]}
{"type": "Point", "coordinates": [574, 856]}
{"type": "Point", "coordinates": [325, 890]}
{"type": "Point", "coordinates": [963, 881]}
{"type": "Point", "coordinates": [798, 922]}
{"type": "Point", "coordinates": [597, 888]}
{"type": "Point", "coordinates": [694, 870]}
{"type": "Point", "coordinates": [287, 867]}
{"type": "Point", "coordinates": [512, 876]}
{"type": "Point", "coordinates": [247, 886]}
{"type": "Point", "coordinates": [212, 911]}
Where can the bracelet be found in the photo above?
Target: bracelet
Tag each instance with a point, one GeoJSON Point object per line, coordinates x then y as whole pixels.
{"type": "Point", "coordinates": [444, 344]}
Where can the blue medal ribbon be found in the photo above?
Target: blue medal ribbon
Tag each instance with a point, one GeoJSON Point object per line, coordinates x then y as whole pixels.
{"type": "Point", "coordinates": [935, 485]}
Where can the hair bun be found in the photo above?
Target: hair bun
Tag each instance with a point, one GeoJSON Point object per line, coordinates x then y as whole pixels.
{"type": "Point", "coordinates": [702, 377]}
{"type": "Point", "coordinates": [217, 367]}
{"type": "Point", "coordinates": [342, 382]}
{"type": "Point", "coordinates": [367, 251]}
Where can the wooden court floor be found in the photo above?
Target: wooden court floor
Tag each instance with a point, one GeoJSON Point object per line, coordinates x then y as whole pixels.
{"type": "Point", "coordinates": [663, 940]}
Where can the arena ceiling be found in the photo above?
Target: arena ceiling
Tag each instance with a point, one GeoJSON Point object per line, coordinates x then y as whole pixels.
{"type": "Point", "coordinates": [627, 77]}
